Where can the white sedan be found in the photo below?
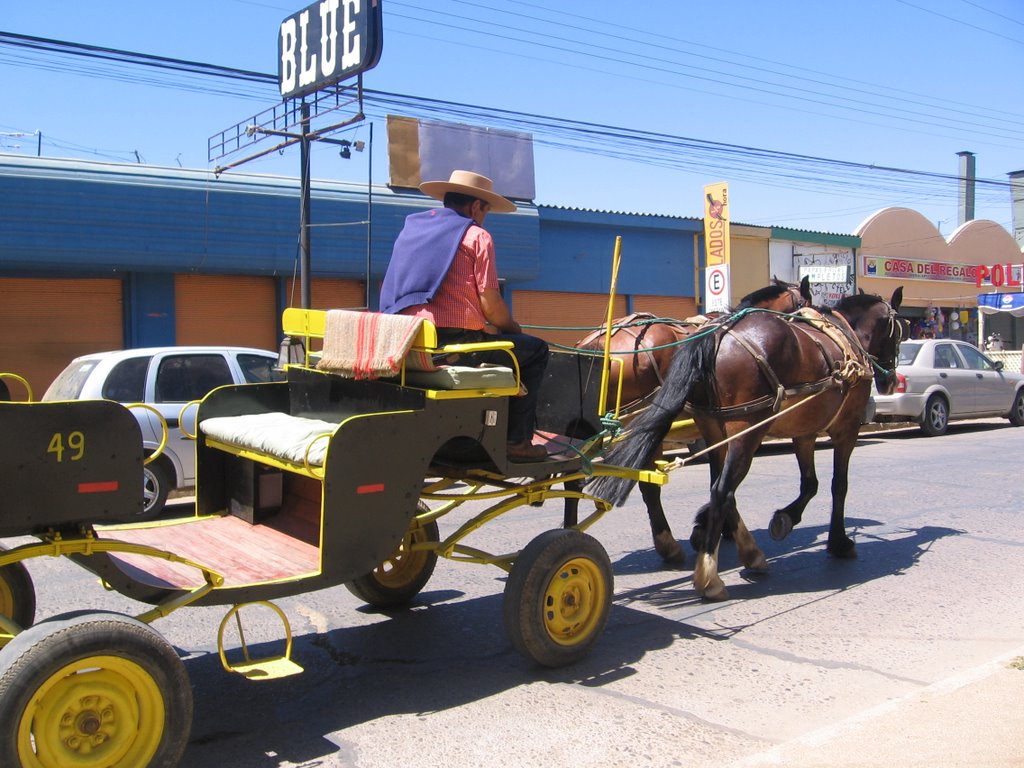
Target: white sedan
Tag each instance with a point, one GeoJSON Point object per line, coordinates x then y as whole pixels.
{"type": "Point", "coordinates": [941, 380]}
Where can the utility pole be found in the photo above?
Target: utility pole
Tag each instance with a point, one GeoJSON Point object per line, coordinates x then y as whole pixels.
{"type": "Point", "coordinates": [305, 294]}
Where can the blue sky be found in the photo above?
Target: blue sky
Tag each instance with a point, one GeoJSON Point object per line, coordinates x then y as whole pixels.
{"type": "Point", "coordinates": [902, 84]}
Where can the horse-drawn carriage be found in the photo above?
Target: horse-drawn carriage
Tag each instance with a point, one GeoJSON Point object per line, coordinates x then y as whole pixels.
{"type": "Point", "coordinates": [328, 478]}
{"type": "Point", "coordinates": [335, 477]}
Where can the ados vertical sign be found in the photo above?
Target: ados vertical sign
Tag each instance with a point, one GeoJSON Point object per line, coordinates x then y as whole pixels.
{"type": "Point", "coordinates": [716, 248]}
{"type": "Point", "coordinates": [326, 42]}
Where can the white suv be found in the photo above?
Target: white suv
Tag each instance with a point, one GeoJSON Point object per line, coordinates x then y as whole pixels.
{"type": "Point", "coordinates": [164, 378]}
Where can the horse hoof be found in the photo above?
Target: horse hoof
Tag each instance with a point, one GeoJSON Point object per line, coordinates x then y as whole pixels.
{"type": "Point", "coordinates": [669, 549]}
{"type": "Point", "coordinates": [716, 594]}
{"type": "Point", "coordinates": [847, 552]}
{"type": "Point", "coordinates": [760, 565]}
{"type": "Point", "coordinates": [781, 526]}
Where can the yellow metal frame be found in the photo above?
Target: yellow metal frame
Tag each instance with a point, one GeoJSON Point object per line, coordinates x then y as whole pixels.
{"type": "Point", "coordinates": [606, 365]}
{"type": "Point", "coordinates": [21, 380]}
{"type": "Point", "coordinates": [87, 545]}
{"type": "Point", "coordinates": [266, 668]}
{"type": "Point", "coordinates": [485, 486]}
{"type": "Point", "coordinates": [163, 425]}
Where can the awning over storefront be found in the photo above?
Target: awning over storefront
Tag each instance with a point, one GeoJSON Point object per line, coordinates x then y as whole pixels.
{"type": "Point", "coordinates": [991, 303]}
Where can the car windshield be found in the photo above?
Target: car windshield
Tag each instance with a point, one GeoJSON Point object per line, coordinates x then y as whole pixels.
{"type": "Point", "coordinates": [908, 352]}
{"type": "Point", "coordinates": [68, 385]}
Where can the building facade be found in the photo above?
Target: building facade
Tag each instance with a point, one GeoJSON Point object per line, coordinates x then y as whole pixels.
{"type": "Point", "coordinates": [97, 256]}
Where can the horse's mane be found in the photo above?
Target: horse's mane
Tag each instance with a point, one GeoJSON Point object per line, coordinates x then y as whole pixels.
{"type": "Point", "coordinates": [767, 293]}
{"type": "Point", "coordinates": [860, 301]}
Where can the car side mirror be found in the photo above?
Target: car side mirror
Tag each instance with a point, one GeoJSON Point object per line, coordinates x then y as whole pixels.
{"type": "Point", "coordinates": [998, 365]}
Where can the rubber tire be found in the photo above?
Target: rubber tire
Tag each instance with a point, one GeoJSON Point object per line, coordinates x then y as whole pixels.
{"type": "Point", "coordinates": [17, 594]}
{"type": "Point", "coordinates": [1016, 416]}
{"type": "Point", "coordinates": [559, 574]}
{"type": "Point", "coordinates": [935, 419]}
{"type": "Point", "coordinates": [155, 489]}
{"type": "Point", "coordinates": [31, 662]}
{"type": "Point", "coordinates": [396, 581]}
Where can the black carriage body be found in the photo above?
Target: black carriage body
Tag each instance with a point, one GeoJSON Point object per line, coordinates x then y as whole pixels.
{"type": "Point", "coordinates": [66, 464]}
{"type": "Point", "coordinates": [569, 395]}
{"type": "Point", "coordinates": [352, 513]}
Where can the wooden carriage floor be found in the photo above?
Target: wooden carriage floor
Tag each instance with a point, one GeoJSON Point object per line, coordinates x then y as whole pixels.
{"type": "Point", "coordinates": [241, 552]}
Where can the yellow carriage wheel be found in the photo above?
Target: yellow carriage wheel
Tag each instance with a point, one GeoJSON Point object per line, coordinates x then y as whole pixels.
{"type": "Point", "coordinates": [573, 600]}
{"type": "Point", "coordinates": [402, 575]}
{"type": "Point", "coordinates": [558, 596]}
{"type": "Point", "coordinates": [98, 711]}
{"type": "Point", "coordinates": [92, 690]}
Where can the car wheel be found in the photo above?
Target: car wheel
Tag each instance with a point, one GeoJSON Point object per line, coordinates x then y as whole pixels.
{"type": "Point", "coordinates": [155, 487]}
{"type": "Point", "coordinates": [936, 416]}
{"type": "Point", "coordinates": [1017, 409]}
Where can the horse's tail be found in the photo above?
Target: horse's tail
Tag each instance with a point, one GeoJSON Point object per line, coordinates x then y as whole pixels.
{"type": "Point", "coordinates": [692, 363]}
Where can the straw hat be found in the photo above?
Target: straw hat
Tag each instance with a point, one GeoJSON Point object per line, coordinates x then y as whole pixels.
{"type": "Point", "coordinates": [469, 183]}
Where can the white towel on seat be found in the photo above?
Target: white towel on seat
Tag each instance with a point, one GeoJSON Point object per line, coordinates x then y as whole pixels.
{"type": "Point", "coordinates": [366, 345]}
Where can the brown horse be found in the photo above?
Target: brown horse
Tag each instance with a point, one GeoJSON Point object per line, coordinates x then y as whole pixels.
{"type": "Point", "coordinates": [644, 346]}
{"type": "Point", "coordinates": [760, 374]}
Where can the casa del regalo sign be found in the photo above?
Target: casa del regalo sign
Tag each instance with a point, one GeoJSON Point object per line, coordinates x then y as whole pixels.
{"type": "Point", "coordinates": [327, 42]}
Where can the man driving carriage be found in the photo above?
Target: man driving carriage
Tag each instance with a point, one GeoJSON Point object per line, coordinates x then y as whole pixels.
{"type": "Point", "coordinates": [443, 269]}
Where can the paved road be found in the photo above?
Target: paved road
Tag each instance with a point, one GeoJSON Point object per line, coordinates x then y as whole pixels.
{"type": "Point", "coordinates": [906, 656]}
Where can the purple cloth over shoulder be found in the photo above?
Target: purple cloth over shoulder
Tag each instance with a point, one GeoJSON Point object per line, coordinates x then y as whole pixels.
{"type": "Point", "coordinates": [421, 258]}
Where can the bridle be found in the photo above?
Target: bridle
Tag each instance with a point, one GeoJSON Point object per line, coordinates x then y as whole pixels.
{"type": "Point", "coordinates": [894, 333]}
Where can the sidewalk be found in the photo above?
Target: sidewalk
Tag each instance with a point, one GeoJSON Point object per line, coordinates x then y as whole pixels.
{"type": "Point", "coordinates": [972, 720]}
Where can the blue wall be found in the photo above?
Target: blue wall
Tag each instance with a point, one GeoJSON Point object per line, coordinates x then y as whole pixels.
{"type": "Point", "coordinates": [576, 251]}
{"type": "Point", "coordinates": [72, 217]}
{"type": "Point", "coordinates": [83, 217]}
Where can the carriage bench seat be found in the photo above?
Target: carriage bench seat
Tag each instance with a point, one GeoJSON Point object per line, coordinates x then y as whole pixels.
{"type": "Point", "coordinates": [373, 345]}
{"type": "Point", "coordinates": [290, 442]}
{"type": "Point", "coordinates": [463, 377]}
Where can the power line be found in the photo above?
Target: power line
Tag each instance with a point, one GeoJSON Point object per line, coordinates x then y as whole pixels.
{"type": "Point", "coordinates": [781, 169]}
{"type": "Point", "coordinates": [766, 81]}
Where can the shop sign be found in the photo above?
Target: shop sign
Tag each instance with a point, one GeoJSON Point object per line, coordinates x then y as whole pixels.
{"type": "Point", "coordinates": [996, 275]}
{"type": "Point", "coordinates": [327, 42]}
{"type": "Point", "coordinates": [919, 269]}
{"type": "Point", "coordinates": [999, 275]}
{"type": "Point", "coordinates": [824, 273]}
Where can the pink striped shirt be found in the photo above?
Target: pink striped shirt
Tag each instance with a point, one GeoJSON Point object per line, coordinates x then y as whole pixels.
{"type": "Point", "coordinates": [473, 271]}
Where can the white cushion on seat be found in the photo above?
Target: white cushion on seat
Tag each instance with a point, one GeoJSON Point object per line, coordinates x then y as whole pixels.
{"type": "Point", "coordinates": [463, 377]}
{"type": "Point", "coordinates": [275, 434]}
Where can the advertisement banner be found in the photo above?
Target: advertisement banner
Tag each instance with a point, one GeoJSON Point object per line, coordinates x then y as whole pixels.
{"type": "Point", "coordinates": [717, 289]}
{"type": "Point", "coordinates": [716, 223]}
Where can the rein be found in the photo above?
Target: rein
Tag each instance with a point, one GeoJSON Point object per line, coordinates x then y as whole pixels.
{"type": "Point", "coordinates": [689, 459]}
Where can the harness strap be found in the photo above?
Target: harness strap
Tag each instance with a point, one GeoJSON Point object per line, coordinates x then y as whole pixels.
{"type": "Point", "coordinates": [773, 380]}
{"type": "Point", "coordinates": [841, 374]}
{"type": "Point", "coordinates": [767, 401]}
{"type": "Point", "coordinates": [856, 362]}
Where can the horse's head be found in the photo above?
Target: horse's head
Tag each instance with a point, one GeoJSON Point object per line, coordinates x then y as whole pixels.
{"type": "Point", "coordinates": [880, 330]}
{"type": "Point", "coordinates": [780, 296]}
